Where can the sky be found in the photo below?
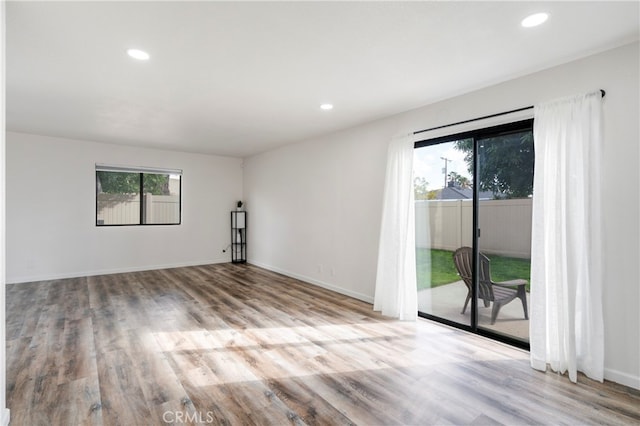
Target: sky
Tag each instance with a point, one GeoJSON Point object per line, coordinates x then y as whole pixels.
{"type": "Point", "coordinates": [427, 163]}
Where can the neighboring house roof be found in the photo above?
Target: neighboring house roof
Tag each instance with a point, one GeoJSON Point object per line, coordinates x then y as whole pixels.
{"type": "Point", "coordinates": [454, 192]}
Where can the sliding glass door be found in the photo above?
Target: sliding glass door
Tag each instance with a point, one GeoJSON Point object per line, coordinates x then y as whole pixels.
{"type": "Point", "coordinates": [505, 179]}
{"type": "Point", "coordinates": [473, 229]}
{"type": "Point", "coordinates": [444, 222]}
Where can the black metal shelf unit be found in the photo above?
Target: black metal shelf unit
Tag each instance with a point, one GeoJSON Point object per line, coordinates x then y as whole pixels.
{"type": "Point", "coordinates": [238, 236]}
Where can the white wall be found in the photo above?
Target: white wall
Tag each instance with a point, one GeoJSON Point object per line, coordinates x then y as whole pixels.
{"type": "Point", "coordinates": [314, 210]}
{"type": "Point", "coordinates": [315, 206]}
{"type": "Point", "coordinates": [4, 413]}
{"type": "Point", "coordinates": [50, 196]}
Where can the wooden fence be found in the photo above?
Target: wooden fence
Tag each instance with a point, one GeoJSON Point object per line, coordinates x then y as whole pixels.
{"type": "Point", "coordinates": [125, 208]}
{"type": "Point", "coordinates": [505, 225]}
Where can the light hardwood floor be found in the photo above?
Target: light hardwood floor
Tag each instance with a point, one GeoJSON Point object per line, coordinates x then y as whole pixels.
{"type": "Point", "coordinates": [235, 345]}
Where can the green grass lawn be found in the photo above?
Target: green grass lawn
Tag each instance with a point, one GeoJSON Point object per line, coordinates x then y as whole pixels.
{"type": "Point", "coordinates": [443, 271]}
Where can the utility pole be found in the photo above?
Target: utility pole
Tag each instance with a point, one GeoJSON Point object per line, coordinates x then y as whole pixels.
{"type": "Point", "coordinates": [444, 169]}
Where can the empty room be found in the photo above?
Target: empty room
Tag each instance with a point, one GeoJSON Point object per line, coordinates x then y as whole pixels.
{"type": "Point", "coordinates": [321, 213]}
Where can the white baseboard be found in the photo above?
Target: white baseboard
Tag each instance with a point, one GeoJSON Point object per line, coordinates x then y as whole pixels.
{"type": "Point", "coordinates": [315, 282]}
{"type": "Point", "coordinates": [5, 418]}
{"type": "Point", "coordinates": [622, 378]}
{"type": "Point", "coordinates": [49, 277]}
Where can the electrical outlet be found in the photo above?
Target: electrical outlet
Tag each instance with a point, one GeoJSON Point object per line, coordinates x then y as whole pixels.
{"type": "Point", "coordinates": [319, 268]}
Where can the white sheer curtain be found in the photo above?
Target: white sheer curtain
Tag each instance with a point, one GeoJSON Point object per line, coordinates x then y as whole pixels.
{"type": "Point", "coordinates": [396, 293]}
{"type": "Point", "coordinates": [566, 327]}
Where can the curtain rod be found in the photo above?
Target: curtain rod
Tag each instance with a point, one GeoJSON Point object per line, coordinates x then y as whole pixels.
{"type": "Point", "coordinates": [484, 117]}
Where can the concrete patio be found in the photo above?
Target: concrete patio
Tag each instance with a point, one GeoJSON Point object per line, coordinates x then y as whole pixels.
{"type": "Point", "coordinates": [446, 301]}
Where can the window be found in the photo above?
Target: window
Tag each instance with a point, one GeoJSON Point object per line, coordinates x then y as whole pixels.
{"type": "Point", "coordinates": [137, 196]}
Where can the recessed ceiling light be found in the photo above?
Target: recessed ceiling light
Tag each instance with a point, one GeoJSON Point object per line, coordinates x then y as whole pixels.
{"type": "Point", "coordinates": [534, 20]}
{"type": "Point", "coordinates": [326, 107]}
{"type": "Point", "coordinates": [138, 54]}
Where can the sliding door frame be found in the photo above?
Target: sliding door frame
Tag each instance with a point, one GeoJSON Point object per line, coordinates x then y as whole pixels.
{"type": "Point", "coordinates": [475, 135]}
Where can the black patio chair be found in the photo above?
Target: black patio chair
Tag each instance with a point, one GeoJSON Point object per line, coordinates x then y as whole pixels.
{"type": "Point", "coordinates": [500, 293]}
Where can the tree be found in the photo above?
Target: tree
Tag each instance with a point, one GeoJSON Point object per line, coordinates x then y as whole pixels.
{"type": "Point", "coordinates": [421, 191]}
{"type": "Point", "coordinates": [506, 164]}
{"type": "Point", "coordinates": [129, 183]}
{"type": "Point", "coordinates": [461, 181]}
{"type": "Point", "coordinates": [156, 184]}
{"type": "Point", "coordinates": [420, 188]}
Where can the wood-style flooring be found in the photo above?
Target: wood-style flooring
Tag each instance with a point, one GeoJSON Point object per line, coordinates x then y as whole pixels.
{"type": "Point", "coordinates": [238, 345]}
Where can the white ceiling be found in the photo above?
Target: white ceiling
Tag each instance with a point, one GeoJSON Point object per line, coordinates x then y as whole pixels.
{"type": "Point", "coordinates": [238, 78]}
